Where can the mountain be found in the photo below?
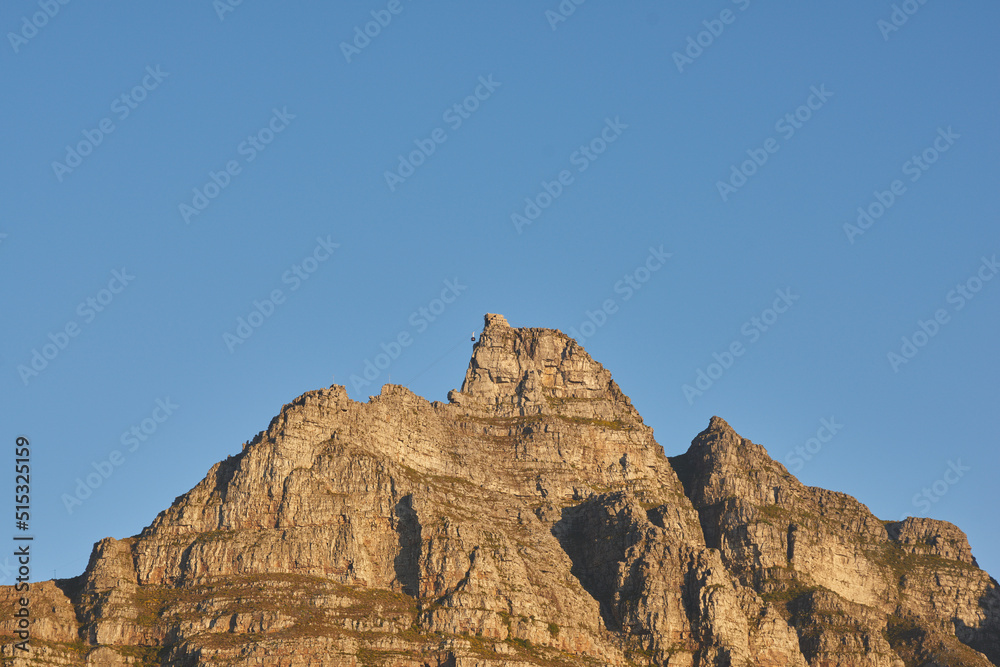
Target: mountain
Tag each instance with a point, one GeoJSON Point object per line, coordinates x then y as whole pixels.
{"type": "Point", "coordinates": [530, 520]}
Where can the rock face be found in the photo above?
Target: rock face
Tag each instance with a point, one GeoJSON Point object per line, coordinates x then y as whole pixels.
{"type": "Point", "coordinates": [531, 520]}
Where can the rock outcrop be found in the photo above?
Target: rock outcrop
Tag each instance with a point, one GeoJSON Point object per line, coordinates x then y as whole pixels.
{"type": "Point", "coordinates": [530, 520]}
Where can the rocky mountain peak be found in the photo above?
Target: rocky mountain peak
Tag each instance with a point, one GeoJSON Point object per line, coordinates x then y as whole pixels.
{"type": "Point", "coordinates": [717, 429]}
{"type": "Point", "coordinates": [525, 371]}
{"type": "Point", "coordinates": [531, 521]}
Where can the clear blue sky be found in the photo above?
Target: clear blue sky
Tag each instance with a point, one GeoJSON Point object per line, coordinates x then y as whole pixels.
{"type": "Point", "coordinates": [212, 161]}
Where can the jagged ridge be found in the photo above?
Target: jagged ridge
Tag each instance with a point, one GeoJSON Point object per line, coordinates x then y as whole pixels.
{"type": "Point", "coordinates": [531, 520]}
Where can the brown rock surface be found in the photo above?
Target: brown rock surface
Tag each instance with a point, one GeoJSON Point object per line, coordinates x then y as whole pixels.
{"type": "Point", "coordinates": [531, 520]}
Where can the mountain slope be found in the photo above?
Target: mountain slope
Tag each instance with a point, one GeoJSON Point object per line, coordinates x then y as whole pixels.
{"type": "Point", "coordinates": [531, 520]}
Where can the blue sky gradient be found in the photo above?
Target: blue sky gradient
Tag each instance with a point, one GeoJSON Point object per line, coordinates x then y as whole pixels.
{"type": "Point", "coordinates": [248, 160]}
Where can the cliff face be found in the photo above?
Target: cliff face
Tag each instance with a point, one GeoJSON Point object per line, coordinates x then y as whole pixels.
{"type": "Point", "coordinates": [531, 520]}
